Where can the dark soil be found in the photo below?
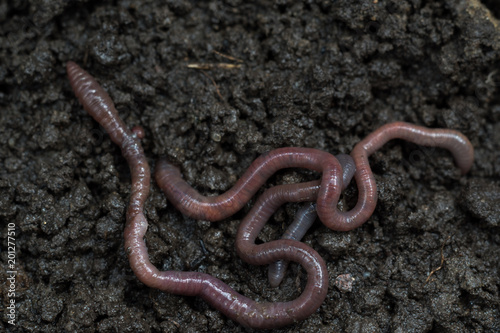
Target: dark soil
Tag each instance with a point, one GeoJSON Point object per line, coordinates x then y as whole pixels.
{"type": "Point", "coordinates": [318, 74]}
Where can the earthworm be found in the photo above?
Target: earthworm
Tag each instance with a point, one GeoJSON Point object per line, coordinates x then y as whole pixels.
{"type": "Point", "coordinates": [99, 105]}
{"type": "Point", "coordinates": [191, 203]}
{"type": "Point", "coordinates": [263, 209]}
{"type": "Point", "coordinates": [239, 308]}
{"type": "Point", "coordinates": [305, 218]}
{"type": "Point", "coordinates": [348, 168]}
{"type": "Point", "coordinates": [454, 141]}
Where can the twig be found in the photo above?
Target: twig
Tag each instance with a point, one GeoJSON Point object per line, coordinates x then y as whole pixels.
{"type": "Point", "coordinates": [206, 66]}
{"type": "Point", "coordinates": [215, 85]}
{"type": "Point", "coordinates": [442, 261]}
{"type": "Point", "coordinates": [227, 56]}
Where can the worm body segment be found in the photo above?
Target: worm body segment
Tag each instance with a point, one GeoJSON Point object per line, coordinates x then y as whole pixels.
{"type": "Point", "coordinates": [305, 218]}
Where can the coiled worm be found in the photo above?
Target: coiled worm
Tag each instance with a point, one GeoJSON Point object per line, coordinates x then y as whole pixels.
{"type": "Point", "coordinates": [304, 219]}
{"type": "Point", "coordinates": [237, 307]}
{"type": "Point", "coordinates": [326, 192]}
{"type": "Point", "coordinates": [191, 203]}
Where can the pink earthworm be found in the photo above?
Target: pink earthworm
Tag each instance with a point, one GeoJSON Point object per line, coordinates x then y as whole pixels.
{"type": "Point", "coordinates": [454, 141]}
{"type": "Point", "coordinates": [348, 168]}
{"type": "Point", "coordinates": [305, 218]}
{"type": "Point", "coordinates": [239, 308]}
{"type": "Point", "coordinates": [193, 204]}
{"type": "Point", "coordinates": [263, 209]}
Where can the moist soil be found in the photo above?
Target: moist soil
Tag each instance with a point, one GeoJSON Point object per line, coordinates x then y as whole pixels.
{"type": "Point", "coordinates": [214, 84]}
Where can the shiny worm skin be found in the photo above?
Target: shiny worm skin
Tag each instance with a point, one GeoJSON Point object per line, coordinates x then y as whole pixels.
{"type": "Point", "coordinates": [191, 203]}
{"type": "Point", "coordinates": [239, 308]}
{"type": "Point", "coordinates": [454, 141]}
{"type": "Point", "coordinates": [214, 208]}
{"type": "Point", "coordinates": [304, 219]}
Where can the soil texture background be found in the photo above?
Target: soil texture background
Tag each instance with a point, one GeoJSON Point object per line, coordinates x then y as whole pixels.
{"type": "Point", "coordinates": [215, 84]}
